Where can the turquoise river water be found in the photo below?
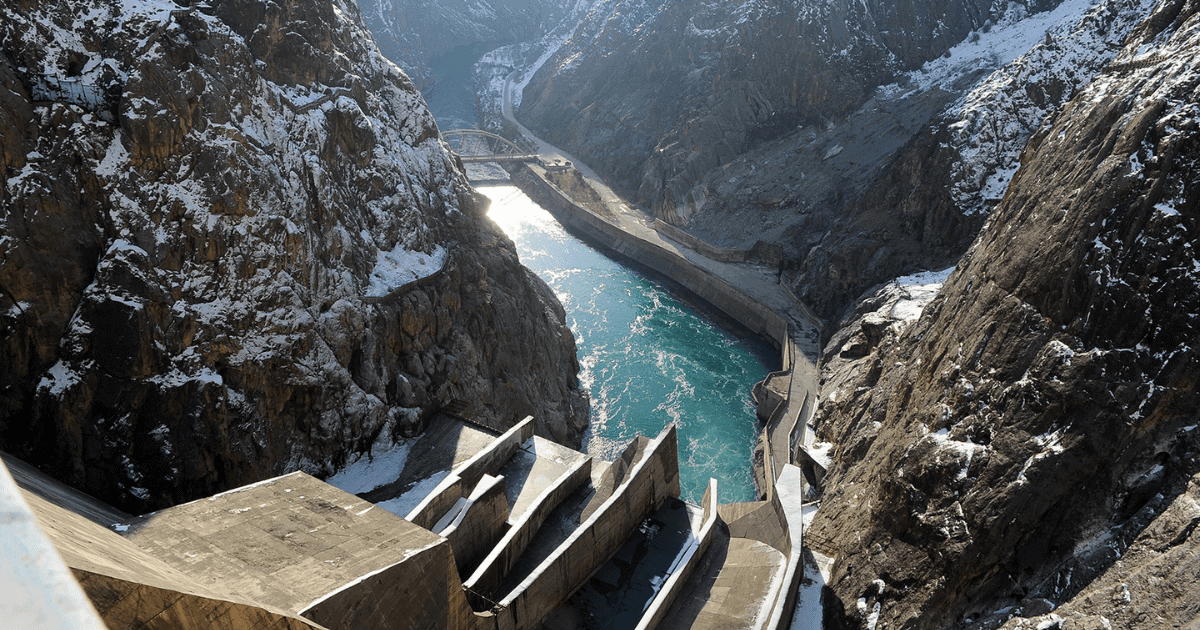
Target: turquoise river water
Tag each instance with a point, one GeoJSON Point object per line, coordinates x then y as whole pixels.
{"type": "Point", "coordinates": [647, 358]}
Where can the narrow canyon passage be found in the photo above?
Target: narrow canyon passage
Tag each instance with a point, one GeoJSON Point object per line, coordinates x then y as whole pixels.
{"type": "Point", "coordinates": [648, 358]}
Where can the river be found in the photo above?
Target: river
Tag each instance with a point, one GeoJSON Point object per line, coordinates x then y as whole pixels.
{"type": "Point", "coordinates": [648, 358]}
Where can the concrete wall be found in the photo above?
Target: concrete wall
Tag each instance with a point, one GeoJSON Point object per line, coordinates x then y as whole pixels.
{"type": "Point", "coordinates": [777, 522]}
{"type": "Point", "coordinates": [133, 589]}
{"type": "Point", "coordinates": [790, 506]}
{"type": "Point", "coordinates": [716, 291]}
{"type": "Point", "coordinates": [678, 579]}
{"type": "Point", "coordinates": [467, 475]}
{"type": "Point", "coordinates": [765, 253]}
{"type": "Point", "coordinates": [128, 604]}
{"type": "Point", "coordinates": [651, 481]}
{"type": "Point", "coordinates": [483, 520]}
{"type": "Point", "coordinates": [770, 394]}
{"type": "Point", "coordinates": [808, 312]}
{"type": "Point", "coordinates": [504, 555]}
{"type": "Point", "coordinates": [422, 591]}
{"type": "Point", "coordinates": [715, 253]}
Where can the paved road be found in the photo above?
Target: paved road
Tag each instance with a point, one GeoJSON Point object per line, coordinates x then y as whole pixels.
{"type": "Point", "coordinates": [760, 283]}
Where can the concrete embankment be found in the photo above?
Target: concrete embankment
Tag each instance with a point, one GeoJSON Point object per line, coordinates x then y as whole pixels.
{"type": "Point", "coordinates": [615, 229]}
{"type": "Point", "coordinates": [653, 478]}
{"type": "Point", "coordinates": [717, 291]}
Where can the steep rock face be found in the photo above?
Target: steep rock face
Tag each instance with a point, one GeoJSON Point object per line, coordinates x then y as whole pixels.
{"type": "Point", "coordinates": [925, 206]}
{"type": "Point", "coordinates": [871, 182]}
{"type": "Point", "coordinates": [1000, 454]}
{"type": "Point", "coordinates": [197, 204]}
{"type": "Point", "coordinates": [412, 32]}
{"type": "Point", "coordinates": [1151, 585]}
{"type": "Point", "coordinates": [655, 95]}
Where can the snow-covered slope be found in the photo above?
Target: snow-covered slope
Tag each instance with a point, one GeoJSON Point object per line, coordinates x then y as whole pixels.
{"type": "Point", "coordinates": [655, 94]}
{"type": "Point", "coordinates": [412, 32]}
{"type": "Point", "coordinates": [991, 124]}
{"type": "Point", "coordinates": [232, 245]}
{"type": "Point", "coordinates": [997, 458]}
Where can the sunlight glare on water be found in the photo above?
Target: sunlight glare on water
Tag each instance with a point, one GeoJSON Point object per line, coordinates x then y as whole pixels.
{"type": "Point", "coordinates": [646, 358]}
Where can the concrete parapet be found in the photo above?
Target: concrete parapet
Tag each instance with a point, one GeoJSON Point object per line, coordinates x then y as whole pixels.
{"type": "Point", "coordinates": [804, 309]}
{"type": "Point", "coordinates": [686, 564]}
{"type": "Point", "coordinates": [790, 499]}
{"type": "Point", "coordinates": [653, 479]}
{"type": "Point", "coordinates": [703, 247]}
{"type": "Point", "coordinates": [504, 555]}
{"type": "Point", "coordinates": [37, 591]}
{"type": "Point", "coordinates": [482, 520]}
{"type": "Point", "coordinates": [467, 475]}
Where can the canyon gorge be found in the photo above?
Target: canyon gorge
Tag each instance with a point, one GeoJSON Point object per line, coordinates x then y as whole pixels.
{"type": "Point", "coordinates": [238, 258]}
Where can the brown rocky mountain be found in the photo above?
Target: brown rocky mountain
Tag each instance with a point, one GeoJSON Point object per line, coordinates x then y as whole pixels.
{"type": "Point", "coordinates": [1030, 441]}
{"type": "Point", "coordinates": [656, 94]}
{"type": "Point", "coordinates": [232, 245]}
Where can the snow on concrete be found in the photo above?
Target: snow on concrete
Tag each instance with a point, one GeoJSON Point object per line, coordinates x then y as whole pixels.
{"type": "Point", "coordinates": [37, 590]}
{"type": "Point", "coordinates": [821, 453]}
{"type": "Point", "coordinates": [808, 613]}
{"type": "Point", "coordinates": [916, 291]}
{"type": "Point", "coordinates": [379, 467]}
{"type": "Point", "coordinates": [404, 504]}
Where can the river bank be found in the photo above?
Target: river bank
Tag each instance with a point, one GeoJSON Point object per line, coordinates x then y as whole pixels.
{"type": "Point", "coordinates": [749, 294]}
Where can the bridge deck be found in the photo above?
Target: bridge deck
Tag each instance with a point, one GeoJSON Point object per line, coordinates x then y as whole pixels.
{"type": "Point", "coordinates": [514, 157]}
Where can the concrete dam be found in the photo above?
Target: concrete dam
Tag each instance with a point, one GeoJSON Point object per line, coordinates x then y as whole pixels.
{"type": "Point", "coordinates": [515, 530]}
{"type": "Point", "coordinates": [520, 532]}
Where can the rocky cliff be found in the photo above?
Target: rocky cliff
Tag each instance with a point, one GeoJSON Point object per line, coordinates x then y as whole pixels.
{"type": "Point", "coordinates": [233, 245]}
{"type": "Point", "coordinates": [812, 127]}
{"type": "Point", "coordinates": [1030, 441]}
{"type": "Point", "coordinates": [926, 200]}
{"type": "Point", "coordinates": [656, 94]}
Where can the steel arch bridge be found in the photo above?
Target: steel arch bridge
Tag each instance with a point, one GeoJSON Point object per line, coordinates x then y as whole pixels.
{"type": "Point", "coordinates": [474, 145]}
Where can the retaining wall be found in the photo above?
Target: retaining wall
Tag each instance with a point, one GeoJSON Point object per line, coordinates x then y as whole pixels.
{"type": "Point", "coordinates": [395, 294]}
{"type": "Point", "coordinates": [675, 583]}
{"type": "Point", "coordinates": [716, 291]}
{"type": "Point", "coordinates": [481, 522]}
{"type": "Point", "coordinates": [467, 475]}
{"type": "Point", "coordinates": [505, 554]}
{"type": "Point", "coordinates": [652, 480]}
{"type": "Point", "coordinates": [704, 247]}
